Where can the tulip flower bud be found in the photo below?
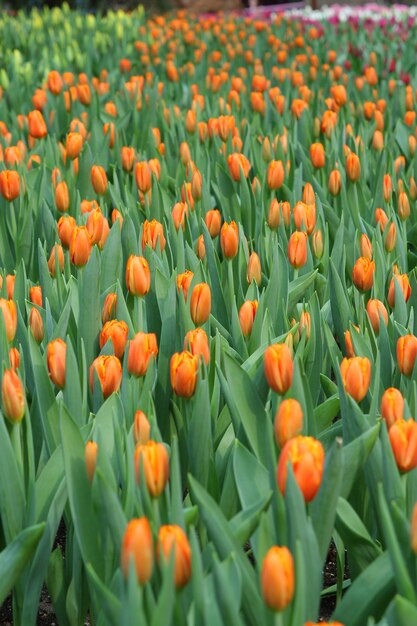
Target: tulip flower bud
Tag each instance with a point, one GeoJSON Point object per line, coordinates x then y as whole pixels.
{"type": "Point", "coordinates": [153, 232]}
{"type": "Point", "coordinates": [413, 189]}
{"type": "Point", "coordinates": [391, 237]}
{"type": "Point", "coordinates": [335, 183]}
{"type": "Point", "coordinates": [13, 396]}
{"type": "Point", "coordinates": [366, 247]}
{"type": "Point", "coordinates": [317, 242]}
{"type": "Point", "coordinates": [200, 303]}
{"type": "Point", "coordinates": [184, 281]}
{"type": "Point", "coordinates": [9, 184]}
{"type": "Point", "coordinates": [183, 371]}
{"type": "Point", "coordinates": [99, 179]}
{"type": "Point", "coordinates": [254, 269]}
{"type": "Point", "coordinates": [96, 226]}
{"type": "Point", "coordinates": [297, 249]}
{"type": "Point", "coordinates": [197, 185]}
{"type": "Point", "coordinates": [403, 438]}
{"type": "Point", "coordinates": [36, 325]}
{"type": "Point", "coordinates": [288, 421]}
{"type": "Point", "coordinates": [66, 226]}
{"type": "Point", "coordinates": [413, 530]}
{"type": "Point", "coordinates": [387, 187]}
{"type": "Point", "coordinates": [196, 342]}
{"type": "Point", "coordinates": [266, 150]}
{"type": "Point", "coordinates": [36, 124]}
{"type": "Point", "coordinates": [274, 215]}
{"type": "Point", "coordinates": [154, 458]}
{"type": "Point", "coordinates": [14, 358]}
{"type": "Point", "coordinates": [179, 213]}
{"type": "Point", "coordinates": [403, 206]}
{"type": "Point", "coordinates": [309, 196]}
{"type": "Point", "coordinates": [353, 167]}
{"type": "Point", "coordinates": [128, 158]}
{"type": "Point", "coordinates": [305, 215]}
{"type": "Point", "coordinates": [317, 155]}
{"type": "Point", "coordinates": [213, 220]}
{"type": "Point", "coordinates": [363, 274]}
{"type": "Point", "coordinates": [141, 428]}
{"type": "Point", "coordinates": [35, 295]}
{"type": "Point", "coordinates": [238, 163]}
{"type": "Point", "coordinates": [375, 309]}
{"type": "Point", "coordinates": [306, 456]}
{"type": "Point", "coordinates": [143, 176]}
{"type": "Point", "coordinates": [381, 219]}
{"type": "Point", "coordinates": [10, 281]}
{"type": "Point", "coordinates": [137, 546]}
{"type": "Point", "coordinates": [90, 454]}
{"type": "Point", "coordinates": [403, 283]}
{"type": "Point", "coordinates": [56, 359]}
{"type": "Point", "coordinates": [305, 324]}
{"type": "Point", "coordinates": [9, 311]}
{"type": "Point", "coordinates": [275, 175]}
{"type": "Point", "coordinates": [247, 316]}
{"type": "Point", "coordinates": [138, 276]}
{"type": "Point", "coordinates": [277, 578]}
{"type": "Point", "coordinates": [141, 349]}
{"type": "Point", "coordinates": [350, 352]}
{"type": "Point", "coordinates": [356, 376]}
{"type": "Point", "coordinates": [109, 308]}
{"type": "Point", "coordinates": [229, 239]}
{"type": "Point", "coordinates": [406, 354]}
{"type": "Point", "coordinates": [73, 145]}
{"type": "Point", "coordinates": [117, 331]}
{"type": "Point", "coordinates": [109, 372]}
{"type": "Point", "coordinates": [392, 406]}
{"type": "Point", "coordinates": [174, 538]}
{"type": "Point", "coordinates": [80, 246]}
{"type": "Point", "coordinates": [278, 367]}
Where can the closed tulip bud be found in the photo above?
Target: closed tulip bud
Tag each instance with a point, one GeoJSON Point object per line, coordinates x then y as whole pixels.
{"type": "Point", "coordinates": [305, 324]}
{"type": "Point", "coordinates": [9, 184]}
{"type": "Point", "coordinates": [403, 438]}
{"type": "Point", "coordinates": [350, 352]}
{"type": "Point", "coordinates": [277, 578]}
{"type": "Point", "coordinates": [183, 371]}
{"type": "Point", "coordinates": [353, 167]}
{"type": "Point", "coordinates": [138, 276]}
{"type": "Point", "coordinates": [309, 196]}
{"type": "Point", "coordinates": [200, 303]}
{"type": "Point", "coordinates": [366, 247]}
{"type": "Point", "coordinates": [297, 249]}
{"type": "Point", "coordinates": [73, 145]}
{"type": "Point", "coordinates": [10, 281]}
{"type": "Point", "coordinates": [56, 355]}
{"type": "Point", "coordinates": [254, 269]}
{"type": "Point", "coordinates": [275, 175]}
{"type": "Point", "coordinates": [378, 140]}
{"type": "Point", "coordinates": [387, 186]}
{"type": "Point", "coordinates": [14, 358]}
{"type": "Point", "coordinates": [213, 220]}
{"type": "Point", "coordinates": [391, 237]}
{"type": "Point", "coordinates": [66, 225]}
{"type": "Point", "coordinates": [99, 179]}
{"type": "Point", "coordinates": [141, 428]}
{"type": "Point", "coordinates": [247, 316]}
{"type": "Point", "coordinates": [90, 454]}
{"type": "Point", "coordinates": [179, 212]}
{"type": "Point", "coordinates": [381, 219]}
{"type": "Point", "coordinates": [109, 372]}
{"type": "Point", "coordinates": [403, 206]}
{"type": "Point", "coordinates": [96, 225]}
{"type": "Point", "coordinates": [109, 308]}
{"type": "Point", "coordinates": [142, 348]}
{"type": "Point", "coordinates": [128, 158]}
{"type": "Point", "coordinates": [288, 421]}
{"type": "Point", "coordinates": [201, 248]}
{"type": "Point", "coordinates": [116, 216]}
{"type": "Point", "coordinates": [55, 82]}
{"type": "Point", "coordinates": [286, 213]}
{"type": "Point", "coordinates": [80, 246]}
{"type": "Point", "coordinates": [36, 124]}
{"type": "Point", "coordinates": [392, 406]}
{"type": "Point", "coordinates": [173, 538]}
{"type": "Point", "coordinates": [154, 458]}
{"type": "Point", "coordinates": [238, 163]}
{"type": "Point", "coordinates": [197, 185]}
{"type": "Point", "coordinates": [317, 242]}
{"type": "Point", "coordinates": [406, 354]}
{"type": "Point", "coordinates": [412, 144]}
{"type": "Point", "coordinates": [376, 309]}
{"type": "Point", "coordinates": [9, 311]}
{"type": "Point", "coordinates": [335, 182]}
{"type": "Point", "coordinates": [363, 274]}
{"type": "Point", "coordinates": [306, 456]}
{"type": "Point", "coordinates": [274, 214]}
{"type": "Point", "coordinates": [143, 176]}
{"type": "Point", "coordinates": [413, 530]}
{"type": "Point", "coordinates": [36, 325]}
{"type": "Point", "coordinates": [229, 239]}
{"type": "Point", "coordinates": [117, 331]}
{"type": "Point", "coordinates": [152, 235]}
{"type": "Point", "coordinates": [62, 197]}
{"type": "Point", "coordinates": [266, 150]}
{"type": "Point", "coordinates": [278, 367]}
{"type": "Point", "coordinates": [403, 283]}
{"type": "Point", "coordinates": [13, 396]}
{"type": "Point", "coordinates": [413, 189]}
{"type": "Point", "coordinates": [184, 281]}
{"type": "Point", "coordinates": [317, 155]}
{"type": "Point", "coordinates": [356, 376]}
{"type": "Point", "coordinates": [196, 342]}
{"type": "Point", "coordinates": [137, 547]}
{"type": "Point", "coordinates": [35, 295]}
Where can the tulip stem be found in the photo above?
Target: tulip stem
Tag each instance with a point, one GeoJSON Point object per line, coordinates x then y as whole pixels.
{"type": "Point", "coordinates": [279, 619]}
{"type": "Point", "coordinates": [295, 275]}
{"type": "Point", "coordinates": [230, 284]}
{"type": "Point", "coordinates": [139, 317]}
{"type": "Point", "coordinates": [17, 444]}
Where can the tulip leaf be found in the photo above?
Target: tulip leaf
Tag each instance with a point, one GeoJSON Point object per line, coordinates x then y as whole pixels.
{"type": "Point", "coordinates": [298, 288]}
{"type": "Point", "coordinates": [89, 322]}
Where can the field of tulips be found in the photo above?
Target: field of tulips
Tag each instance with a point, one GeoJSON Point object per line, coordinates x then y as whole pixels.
{"type": "Point", "coordinates": [208, 339]}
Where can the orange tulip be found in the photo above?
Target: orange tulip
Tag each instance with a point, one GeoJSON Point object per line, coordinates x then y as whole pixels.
{"type": "Point", "coordinates": [66, 225]}
{"type": "Point", "coordinates": [317, 155]}
{"type": "Point", "coordinates": [137, 546]}
{"type": "Point", "coordinates": [56, 359]}
{"type": "Point", "coordinates": [9, 184]}
{"type": "Point", "coordinates": [305, 214]}
{"type": "Point", "coordinates": [36, 324]}
{"type": "Point", "coordinates": [200, 303]}
{"type": "Point", "coordinates": [403, 206]}
{"type": "Point", "coordinates": [335, 182]}
{"type": "Point", "coordinates": [353, 167]}
{"type": "Point", "coordinates": [317, 243]}
{"type": "Point", "coordinates": [288, 421]}
{"type": "Point", "coordinates": [387, 187]}
{"type": "Point", "coordinates": [403, 283]}
{"type": "Point", "coordinates": [73, 145]}
{"type": "Point", "coordinates": [278, 367]}
{"type": "Point", "coordinates": [375, 309]}
{"type": "Point", "coordinates": [229, 239]}
{"type": "Point", "coordinates": [406, 354]}
{"type": "Point", "coordinates": [138, 276]}
{"type": "Point", "coordinates": [274, 214]}
{"type": "Point", "coordinates": [128, 158]}
{"type": "Point", "coordinates": [9, 311]}
{"type": "Point", "coordinates": [141, 428]}
{"type": "Point", "coordinates": [381, 219]}
{"type": "Point", "coordinates": [247, 314]}
{"type": "Point", "coordinates": [179, 212]}
{"type": "Point", "coordinates": [403, 438]}
{"type": "Point", "coordinates": [154, 457]}
{"type": "Point", "coordinates": [213, 221]}
{"type": "Point", "coordinates": [356, 376]}
{"type": "Point", "coordinates": [117, 331]}
{"type": "Point", "coordinates": [62, 198]}
{"type": "Point", "coordinates": [13, 396]}
{"type": "Point", "coordinates": [392, 406]}
{"type": "Point", "coordinates": [196, 342]}
{"type": "Point", "coordinates": [391, 237]}
{"type": "Point", "coordinates": [277, 578]}
{"type": "Point", "coordinates": [90, 455]}
{"type": "Point", "coordinates": [14, 358]}
{"type": "Point", "coordinates": [174, 538]}
{"type": "Point", "coordinates": [142, 348]}
{"type": "Point", "coordinates": [275, 175]}
{"type": "Point", "coordinates": [366, 247]}
{"type": "Point", "coordinates": [297, 249]}
{"type": "Point", "coordinates": [10, 281]}
{"type": "Point", "coordinates": [80, 246]}
{"type": "Point", "coordinates": [143, 176]}
{"type": "Point", "coordinates": [99, 179]}
{"type": "Point", "coordinates": [363, 274]}
{"type": "Point", "coordinates": [184, 281]}
{"type": "Point", "coordinates": [109, 372]}
{"type": "Point", "coordinates": [254, 269]}
{"type": "Point", "coordinates": [153, 232]}
{"type": "Point", "coordinates": [109, 308]}
{"type": "Point", "coordinates": [183, 370]}
{"type": "Point", "coordinates": [238, 163]}
{"type": "Point", "coordinates": [306, 456]}
{"type": "Point", "coordinates": [37, 126]}
{"type": "Point", "coordinates": [56, 252]}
